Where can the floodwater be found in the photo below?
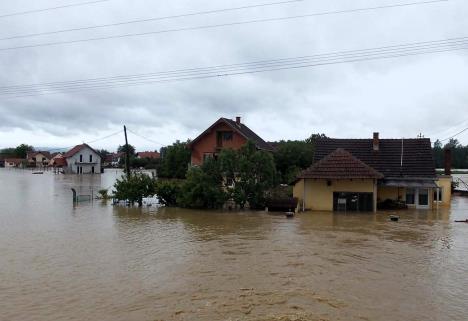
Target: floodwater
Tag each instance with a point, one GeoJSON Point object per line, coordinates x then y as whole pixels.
{"type": "Point", "coordinates": [98, 262]}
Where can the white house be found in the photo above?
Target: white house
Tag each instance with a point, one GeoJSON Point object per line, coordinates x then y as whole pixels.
{"type": "Point", "coordinates": [82, 159]}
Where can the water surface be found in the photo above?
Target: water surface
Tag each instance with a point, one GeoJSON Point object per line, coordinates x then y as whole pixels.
{"type": "Point", "coordinates": [98, 262]}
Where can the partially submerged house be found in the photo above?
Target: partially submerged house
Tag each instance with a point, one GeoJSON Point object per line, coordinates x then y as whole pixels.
{"type": "Point", "coordinates": [38, 159]}
{"type": "Point", "coordinates": [15, 162]}
{"type": "Point", "coordinates": [357, 174]}
{"type": "Point", "coordinates": [82, 159]}
{"type": "Point", "coordinates": [224, 133]}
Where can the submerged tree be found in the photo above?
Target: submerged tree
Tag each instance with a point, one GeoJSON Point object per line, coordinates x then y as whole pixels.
{"type": "Point", "coordinates": [134, 188]}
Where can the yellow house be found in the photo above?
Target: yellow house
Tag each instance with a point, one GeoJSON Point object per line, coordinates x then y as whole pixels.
{"type": "Point", "coordinates": [366, 174]}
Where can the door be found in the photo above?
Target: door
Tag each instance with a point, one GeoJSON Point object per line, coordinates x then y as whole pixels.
{"type": "Point", "coordinates": [423, 198]}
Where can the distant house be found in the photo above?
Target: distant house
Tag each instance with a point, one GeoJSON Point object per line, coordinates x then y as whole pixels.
{"type": "Point", "coordinates": [39, 158]}
{"type": "Point", "coordinates": [358, 174]}
{"type": "Point", "coordinates": [54, 158]}
{"type": "Point", "coordinates": [15, 162]}
{"type": "Point", "coordinates": [148, 155]}
{"type": "Point", "coordinates": [224, 133]}
{"type": "Point", "coordinates": [115, 159]}
{"type": "Point", "coordinates": [82, 159]}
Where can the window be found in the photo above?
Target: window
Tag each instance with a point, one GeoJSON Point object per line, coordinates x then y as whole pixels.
{"type": "Point", "coordinates": [207, 155]}
{"type": "Point", "coordinates": [81, 158]}
{"type": "Point", "coordinates": [410, 196]}
{"type": "Point", "coordinates": [227, 136]}
{"type": "Point", "coordinates": [90, 158]}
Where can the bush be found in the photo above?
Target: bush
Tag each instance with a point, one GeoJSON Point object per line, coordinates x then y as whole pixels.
{"type": "Point", "coordinates": [168, 191]}
{"type": "Point", "coordinates": [134, 188]}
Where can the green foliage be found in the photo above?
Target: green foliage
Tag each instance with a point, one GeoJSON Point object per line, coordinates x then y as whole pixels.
{"type": "Point", "coordinates": [123, 149]}
{"type": "Point", "coordinates": [203, 187]}
{"type": "Point", "coordinates": [459, 154]}
{"type": "Point", "coordinates": [146, 163]}
{"type": "Point", "coordinates": [168, 191]}
{"type": "Point", "coordinates": [252, 173]}
{"type": "Point", "coordinates": [134, 188]}
{"type": "Point", "coordinates": [18, 152]}
{"type": "Point", "coordinates": [175, 160]}
{"type": "Point", "coordinates": [103, 153]}
{"type": "Point", "coordinates": [291, 157]}
{"type": "Point", "coordinates": [103, 194]}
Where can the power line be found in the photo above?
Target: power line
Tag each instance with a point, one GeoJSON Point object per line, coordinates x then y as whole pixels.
{"type": "Point", "coordinates": [394, 51]}
{"type": "Point", "coordinates": [46, 44]}
{"type": "Point", "coordinates": [152, 19]}
{"type": "Point", "coordinates": [51, 8]}
{"type": "Point", "coordinates": [145, 138]}
{"type": "Point", "coordinates": [89, 142]}
{"type": "Point", "coordinates": [452, 43]}
{"type": "Point", "coordinates": [460, 132]}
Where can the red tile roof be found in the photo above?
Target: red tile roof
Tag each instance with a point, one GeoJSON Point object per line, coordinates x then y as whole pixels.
{"type": "Point", "coordinates": [148, 155]}
{"type": "Point", "coordinates": [340, 164]}
{"type": "Point", "coordinates": [15, 161]}
{"type": "Point", "coordinates": [77, 149]}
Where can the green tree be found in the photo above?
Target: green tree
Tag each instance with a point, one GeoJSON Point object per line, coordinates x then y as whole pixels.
{"type": "Point", "coordinates": [22, 150]}
{"type": "Point", "coordinates": [175, 160]}
{"type": "Point", "coordinates": [291, 157]}
{"type": "Point", "coordinates": [134, 188]}
{"type": "Point", "coordinates": [252, 173]}
{"type": "Point", "coordinates": [168, 191]}
{"type": "Point", "coordinates": [203, 187]}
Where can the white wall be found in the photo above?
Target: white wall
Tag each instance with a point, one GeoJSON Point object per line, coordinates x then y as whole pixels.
{"type": "Point", "coordinates": [74, 162]}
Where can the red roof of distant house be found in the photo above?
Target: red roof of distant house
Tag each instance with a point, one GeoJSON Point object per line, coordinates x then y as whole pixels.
{"type": "Point", "coordinates": [148, 155]}
{"type": "Point", "coordinates": [15, 161]}
{"type": "Point", "coordinates": [77, 149]}
{"type": "Point", "coordinates": [60, 161]}
{"type": "Point", "coordinates": [340, 164]}
{"type": "Point", "coordinates": [34, 154]}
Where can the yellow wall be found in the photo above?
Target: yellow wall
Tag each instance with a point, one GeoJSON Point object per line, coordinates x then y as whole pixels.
{"type": "Point", "coordinates": [388, 192]}
{"type": "Point", "coordinates": [319, 196]}
{"type": "Point", "coordinates": [445, 183]}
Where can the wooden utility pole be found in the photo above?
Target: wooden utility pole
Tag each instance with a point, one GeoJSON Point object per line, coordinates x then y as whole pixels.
{"type": "Point", "coordinates": [127, 154]}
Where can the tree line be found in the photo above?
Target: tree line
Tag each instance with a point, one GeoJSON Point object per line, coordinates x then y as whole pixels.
{"type": "Point", "coordinates": [459, 154]}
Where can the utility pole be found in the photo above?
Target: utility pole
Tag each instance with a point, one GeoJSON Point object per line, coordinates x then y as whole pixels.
{"type": "Point", "coordinates": [127, 154]}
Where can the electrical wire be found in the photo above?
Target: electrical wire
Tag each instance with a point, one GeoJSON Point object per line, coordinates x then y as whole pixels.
{"type": "Point", "coordinates": [152, 19]}
{"type": "Point", "coordinates": [145, 138]}
{"type": "Point", "coordinates": [51, 8]}
{"type": "Point", "coordinates": [394, 51]}
{"type": "Point", "coordinates": [55, 43]}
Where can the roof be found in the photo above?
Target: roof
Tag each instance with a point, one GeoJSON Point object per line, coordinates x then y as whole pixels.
{"type": "Point", "coordinates": [395, 158]}
{"type": "Point", "coordinates": [340, 164]}
{"type": "Point", "coordinates": [242, 129]}
{"type": "Point", "coordinates": [60, 161]}
{"type": "Point", "coordinates": [34, 154]}
{"type": "Point", "coordinates": [148, 155]}
{"type": "Point", "coordinates": [14, 160]}
{"type": "Point", "coordinates": [77, 149]}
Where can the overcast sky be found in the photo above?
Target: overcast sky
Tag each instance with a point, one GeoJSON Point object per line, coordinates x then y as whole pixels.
{"type": "Point", "coordinates": [398, 97]}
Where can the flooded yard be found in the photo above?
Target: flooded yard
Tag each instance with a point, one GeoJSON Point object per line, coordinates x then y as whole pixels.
{"type": "Point", "coordinates": [98, 262]}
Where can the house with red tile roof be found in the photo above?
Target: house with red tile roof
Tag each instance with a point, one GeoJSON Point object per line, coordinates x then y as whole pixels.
{"type": "Point", "coordinates": [224, 133]}
{"type": "Point", "coordinates": [359, 174]}
{"type": "Point", "coordinates": [15, 162]}
{"type": "Point", "coordinates": [38, 158]}
{"type": "Point", "coordinates": [150, 155]}
{"type": "Point", "coordinates": [82, 159]}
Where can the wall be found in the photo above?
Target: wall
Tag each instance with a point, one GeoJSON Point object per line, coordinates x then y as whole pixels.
{"type": "Point", "coordinates": [74, 162]}
{"type": "Point", "coordinates": [388, 192]}
{"type": "Point", "coordinates": [207, 143]}
{"type": "Point", "coordinates": [445, 182]}
{"type": "Point", "coordinates": [319, 196]}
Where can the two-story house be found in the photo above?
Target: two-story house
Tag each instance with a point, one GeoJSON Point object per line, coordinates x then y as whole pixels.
{"type": "Point", "coordinates": [224, 133]}
{"type": "Point", "coordinates": [82, 159]}
{"type": "Point", "coordinates": [39, 158]}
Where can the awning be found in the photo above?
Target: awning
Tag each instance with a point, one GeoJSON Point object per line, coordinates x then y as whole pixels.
{"type": "Point", "coordinates": [409, 183]}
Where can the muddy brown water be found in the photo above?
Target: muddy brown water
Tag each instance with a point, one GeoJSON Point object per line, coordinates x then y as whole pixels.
{"type": "Point", "coordinates": [98, 262]}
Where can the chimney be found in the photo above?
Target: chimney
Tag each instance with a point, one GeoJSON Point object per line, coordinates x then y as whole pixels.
{"type": "Point", "coordinates": [448, 161]}
{"type": "Point", "coordinates": [238, 120]}
{"type": "Point", "coordinates": [375, 143]}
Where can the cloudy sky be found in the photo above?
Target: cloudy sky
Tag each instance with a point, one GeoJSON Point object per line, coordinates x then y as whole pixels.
{"type": "Point", "coordinates": [399, 97]}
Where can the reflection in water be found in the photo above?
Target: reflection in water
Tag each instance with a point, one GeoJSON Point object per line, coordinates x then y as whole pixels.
{"type": "Point", "coordinates": [98, 262]}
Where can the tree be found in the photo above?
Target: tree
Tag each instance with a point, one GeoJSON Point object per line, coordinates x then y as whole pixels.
{"type": "Point", "coordinates": [134, 187]}
{"type": "Point", "coordinates": [123, 149]}
{"type": "Point", "coordinates": [22, 150]}
{"type": "Point", "coordinates": [291, 157]}
{"type": "Point", "coordinates": [203, 187]}
{"type": "Point", "coordinates": [251, 171]}
{"type": "Point", "coordinates": [103, 153]}
{"type": "Point", "coordinates": [174, 161]}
